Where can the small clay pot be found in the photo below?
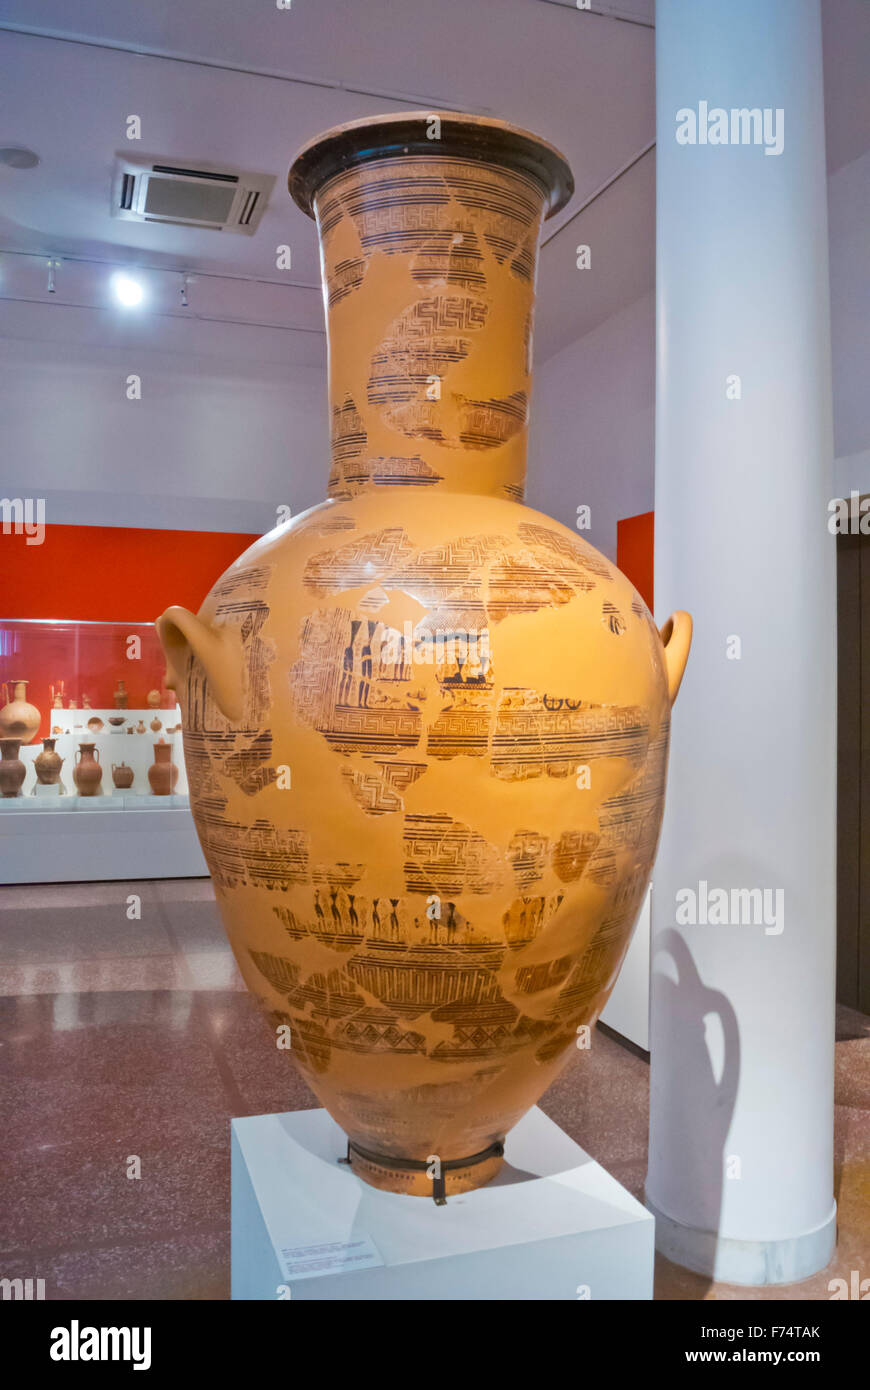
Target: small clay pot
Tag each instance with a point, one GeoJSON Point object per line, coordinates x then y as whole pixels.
{"type": "Point", "coordinates": [121, 696]}
{"type": "Point", "coordinates": [47, 764]}
{"type": "Point", "coordinates": [155, 726]}
{"type": "Point", "coordinates": [117, 722]}
{"type": "Point", "coordinates": [87, 773]}
{"type": "Point", "coordinates": [162, 774]}
{"type": "Point", "coordinates": [122, 775]}
{"type": "Point", "coordinates": [12, 769]}
{"type": "Point", "coordinates": [140, 727]}
{"type": "Point", "coordinates": [152, 699]}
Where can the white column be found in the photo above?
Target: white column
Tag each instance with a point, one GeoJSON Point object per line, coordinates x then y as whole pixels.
{"type": "Point", "coordinates": [742, 1025]}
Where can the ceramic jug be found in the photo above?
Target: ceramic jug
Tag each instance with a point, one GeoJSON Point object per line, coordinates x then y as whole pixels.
{"type": "Point", "coordinates": [18, 718]}
{"type": "Point", "coordinates": [162, 774]}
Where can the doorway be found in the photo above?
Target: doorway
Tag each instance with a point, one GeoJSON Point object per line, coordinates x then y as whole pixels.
{"type": "Point", "coordinates": [853, 772]}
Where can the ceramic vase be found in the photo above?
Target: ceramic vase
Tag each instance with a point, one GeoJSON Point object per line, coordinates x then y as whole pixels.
{"type": "Point", "coordinates": [87, 773]}
{"type": "Point", "coordinates": [162, 774]}
{"type": "Point", "coordinates": [122, 776]}
{"type": "Point", "coordinates": [18, 718]}
{"type": "Point", "coordinates": [426, 727]}
{"type": "Point", "coordinates": [12, 769]}
{"type": "Point", "coordinates": [47, 764]}
{"type": "Point", "coordinates": [121, 697]}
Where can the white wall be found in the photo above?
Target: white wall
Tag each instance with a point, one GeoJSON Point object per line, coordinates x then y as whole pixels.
{"type": "Point", "coordinates": [232, 421]}
{"type": "Point", "coordinates": [218, 440]}
{"type": "Point", "coordinates": [849, 231]}
{"type": "Point", "coordinates": [593, 426]}
{"type": "Point", "coordinates": [592, 430]}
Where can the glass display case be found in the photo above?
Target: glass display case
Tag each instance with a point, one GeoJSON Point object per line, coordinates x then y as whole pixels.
{"type": "Point", "coordinates": [86, 722]}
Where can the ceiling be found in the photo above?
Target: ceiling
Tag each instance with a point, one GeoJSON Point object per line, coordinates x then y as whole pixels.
{"type": "Point", "coordinates": [244, 83]}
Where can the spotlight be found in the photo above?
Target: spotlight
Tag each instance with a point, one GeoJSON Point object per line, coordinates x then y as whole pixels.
{"type": "Point", "coordinates": [127, 291]}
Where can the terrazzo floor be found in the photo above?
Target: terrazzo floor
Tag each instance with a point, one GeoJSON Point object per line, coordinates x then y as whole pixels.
{"type": "Point", "coordinates": [123, 1037]}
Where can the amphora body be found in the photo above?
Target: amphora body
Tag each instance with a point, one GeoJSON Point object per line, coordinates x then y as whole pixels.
{"type": "Point", "coordinates": [87, 773]}
{"type": "Point", "coordinates": [12, 769]}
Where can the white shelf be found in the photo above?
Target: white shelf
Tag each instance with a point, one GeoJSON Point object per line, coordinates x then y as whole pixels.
{"type": "Point", "coordinates": [67, 838]}
{"type": "Point", "coordinates": [38, 846]}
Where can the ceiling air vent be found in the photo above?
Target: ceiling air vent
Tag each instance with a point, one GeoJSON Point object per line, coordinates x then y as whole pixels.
{"type": "Point", "coordinates": [188, 195]}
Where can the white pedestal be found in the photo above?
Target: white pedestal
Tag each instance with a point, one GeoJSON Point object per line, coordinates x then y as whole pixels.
{"type": "Point", "coordinates": [552, 1225]}
{"type": "Point", "coordinates": [47, 793]}
{"type": "Point", "coordinates": [118, 834]}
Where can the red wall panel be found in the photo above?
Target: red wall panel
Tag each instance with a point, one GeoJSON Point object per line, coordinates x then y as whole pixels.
{"type": "Point", "coordinates": [112, 573]}
{"type": "Point", "coordinates": [634, 552]}
{"type": "Point", "coordinates": [95, 575]}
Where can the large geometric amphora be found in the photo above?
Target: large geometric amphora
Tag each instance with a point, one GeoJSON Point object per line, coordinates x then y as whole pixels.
{"type": "Point", "coordinates": [426, 727]}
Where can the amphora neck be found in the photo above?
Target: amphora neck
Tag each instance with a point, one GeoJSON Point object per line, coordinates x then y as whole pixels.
{"type": "Point", "coordinates": [429, 230]}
